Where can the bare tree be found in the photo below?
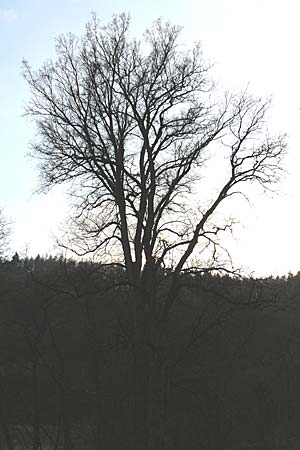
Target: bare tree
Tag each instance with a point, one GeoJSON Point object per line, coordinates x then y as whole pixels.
{"type": "Point", "coordinates": [132, 125]}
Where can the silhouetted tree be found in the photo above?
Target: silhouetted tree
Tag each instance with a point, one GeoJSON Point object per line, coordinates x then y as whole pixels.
{"type": "Point", "coordinates": [132, 126]}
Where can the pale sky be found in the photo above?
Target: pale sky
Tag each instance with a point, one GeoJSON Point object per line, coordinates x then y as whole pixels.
{"type": "Point", "coordinates": [253, 43]}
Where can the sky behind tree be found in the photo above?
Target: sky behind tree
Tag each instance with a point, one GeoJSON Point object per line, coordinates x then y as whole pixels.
{"type": "Point", "coordinates": [252, 44]}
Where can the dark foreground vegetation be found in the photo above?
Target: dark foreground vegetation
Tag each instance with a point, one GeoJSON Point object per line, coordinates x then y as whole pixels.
{"type": "Point", "coordinates": [230, 357]}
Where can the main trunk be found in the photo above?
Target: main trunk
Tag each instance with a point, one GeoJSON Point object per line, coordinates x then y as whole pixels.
{"type": "Point", "coordinates": [149, 373]}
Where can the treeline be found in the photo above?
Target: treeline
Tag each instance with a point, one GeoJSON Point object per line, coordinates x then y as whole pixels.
{"type": "Point", "coordinates": [230, 354]}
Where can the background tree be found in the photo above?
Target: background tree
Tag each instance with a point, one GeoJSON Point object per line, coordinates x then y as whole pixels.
{"type": "Point", "coordinates": [4, 234]}
{"type": "Point", "coordinates": [132, 126]}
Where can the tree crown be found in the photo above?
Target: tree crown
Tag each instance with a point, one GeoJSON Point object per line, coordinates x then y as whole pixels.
{"type": "Point", "coordinates": [131, 125]}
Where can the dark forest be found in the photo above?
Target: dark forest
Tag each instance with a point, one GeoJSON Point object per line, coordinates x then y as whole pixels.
{"type": "Point", "coordinates": [230, 357]}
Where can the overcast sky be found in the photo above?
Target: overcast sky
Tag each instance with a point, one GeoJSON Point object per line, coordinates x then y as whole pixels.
{"type": "Point", "coordinates": [250, 42]}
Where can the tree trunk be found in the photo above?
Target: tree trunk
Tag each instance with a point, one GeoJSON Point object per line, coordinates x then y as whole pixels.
{"type": "Point", "coordinates": [141, 370]}
{"type": "Point", "coordinates": [150, 386]}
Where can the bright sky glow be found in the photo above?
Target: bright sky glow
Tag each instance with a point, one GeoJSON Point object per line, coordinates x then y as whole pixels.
{"type": "Point", "coordinates": [250, 42]}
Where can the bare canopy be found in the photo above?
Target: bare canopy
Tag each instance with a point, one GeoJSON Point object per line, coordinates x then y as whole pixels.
{"type": "Point", "coordinates": [131, 124]}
